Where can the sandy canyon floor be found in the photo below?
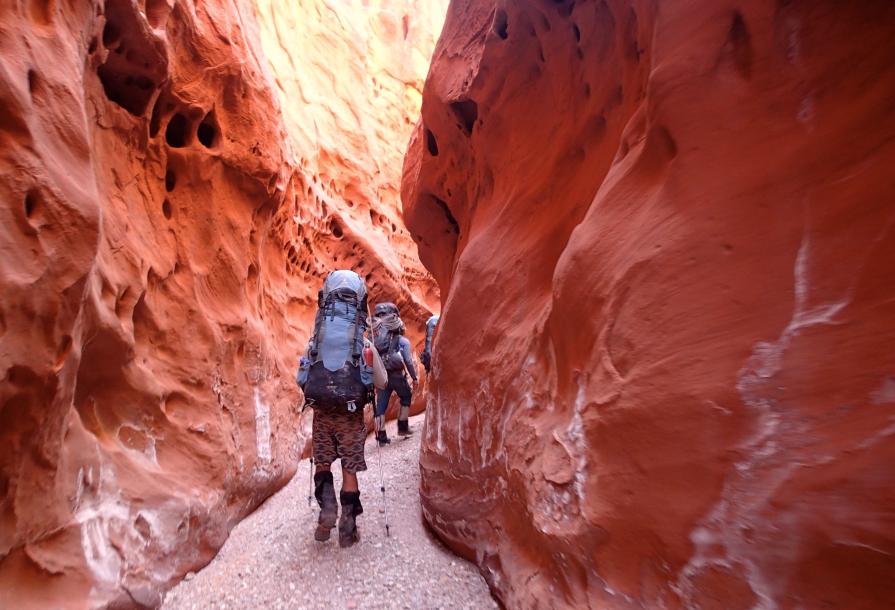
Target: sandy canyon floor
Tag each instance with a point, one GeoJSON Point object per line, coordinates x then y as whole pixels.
{"type": "Point", "coordinates": [272, 561]}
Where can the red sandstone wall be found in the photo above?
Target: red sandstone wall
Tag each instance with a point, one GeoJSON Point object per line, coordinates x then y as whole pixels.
{"type": "Point", "coordinates": [164, 235]}
{"type": "Point", "coordinates": [349, 77]}
{"type": "Point", "coordinates": [664, 238]}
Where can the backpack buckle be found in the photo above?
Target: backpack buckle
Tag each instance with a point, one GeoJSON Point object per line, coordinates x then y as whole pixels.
{"type": "Point", "coordinates": [352, 407]}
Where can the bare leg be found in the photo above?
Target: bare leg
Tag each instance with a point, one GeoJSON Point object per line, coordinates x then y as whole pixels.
{"type": "Point", "coordinates": [349, 481]}
{"type": "Point", "coordinates": [322, 468]}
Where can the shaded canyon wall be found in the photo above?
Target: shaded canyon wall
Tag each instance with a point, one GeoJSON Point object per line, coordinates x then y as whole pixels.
{"type": "Point", "coordinates": [165, 228]}
{"type": "Point", "coordinates": [664, 236]}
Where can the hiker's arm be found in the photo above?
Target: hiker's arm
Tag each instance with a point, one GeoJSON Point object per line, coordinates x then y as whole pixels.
{"type": "Point", "coordinates": [407, 357]}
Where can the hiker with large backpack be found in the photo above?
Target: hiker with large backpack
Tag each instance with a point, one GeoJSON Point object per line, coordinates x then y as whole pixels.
{"type": "Point", "coordinates": [394, 350]}
{"type": "Point", "coordinates": [426, 356]}
{"type": "Point", "coordinates": [336, 375]}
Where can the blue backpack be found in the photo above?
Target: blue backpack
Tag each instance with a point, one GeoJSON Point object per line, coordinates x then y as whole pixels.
{"type": "Point", "coordinates": [333, 374]}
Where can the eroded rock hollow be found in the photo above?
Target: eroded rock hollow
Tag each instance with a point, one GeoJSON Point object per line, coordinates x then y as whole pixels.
{"type": "Point", "coordinates": [664, 236]}
{"type": "Point", "coordinates": [177, 177]}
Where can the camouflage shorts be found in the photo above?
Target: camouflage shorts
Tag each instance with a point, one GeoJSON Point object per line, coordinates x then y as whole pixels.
{"type": "Point", "coordinates": [339, 434]}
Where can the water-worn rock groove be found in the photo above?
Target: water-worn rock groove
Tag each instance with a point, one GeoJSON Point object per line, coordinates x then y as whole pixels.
{"type": "Point", "coordinates": [272, 561]}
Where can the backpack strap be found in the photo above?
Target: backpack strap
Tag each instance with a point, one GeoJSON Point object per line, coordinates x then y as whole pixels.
{"type": "Point", "coordinates": [395, 342]}
{"type": "Point", "coordinates": [317, 319]}
{"type": "Point", "coordinates": [353, 331]}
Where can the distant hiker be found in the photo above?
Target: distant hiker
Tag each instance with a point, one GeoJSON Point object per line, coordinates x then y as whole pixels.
{"type": "Point", "coordinates": [426, 356]}
{"type": "Point", "coordinates": [394, 349]}
{"type": "Point", "coordinates": [337, 379]}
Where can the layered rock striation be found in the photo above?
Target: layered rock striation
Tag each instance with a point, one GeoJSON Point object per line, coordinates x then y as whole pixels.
{"type": "Point", "coordinates": [664, 235]}
{"type": "Point", "coordinates": [165, 227]}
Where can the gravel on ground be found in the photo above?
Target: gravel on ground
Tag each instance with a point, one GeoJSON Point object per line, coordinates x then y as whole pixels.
{"type": "Point", "coordinates": [271, 559]}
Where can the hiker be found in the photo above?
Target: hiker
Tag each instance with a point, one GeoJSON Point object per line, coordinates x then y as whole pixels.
{"type": "Point", "coordinates": [337, 379]}
{"type": "Point", "coordinates": [426, 356]}
{"type": "Point", "coordinates": [394, 349]}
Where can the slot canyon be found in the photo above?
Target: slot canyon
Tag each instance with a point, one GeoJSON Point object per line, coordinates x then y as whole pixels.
{"type": "Point", "coordinates": [178, 177]}
{"type": "Point", "coordinates": [660, 235]}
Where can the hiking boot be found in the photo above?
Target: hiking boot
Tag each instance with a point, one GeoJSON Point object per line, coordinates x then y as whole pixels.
{"type": "Point", "coordinates": [382, 437]}
{"type": "Point", "coordinates": [404, 428]}
{"type": "Point", "coordinates": [325, 492]}
{"type": "Point", "coordinates": [351, 509]}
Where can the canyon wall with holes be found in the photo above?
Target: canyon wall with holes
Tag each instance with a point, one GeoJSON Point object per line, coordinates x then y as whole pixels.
{"type": "Point", "coordinates": [171, 200]}
{"type": "Point", "coordinates": [664, 235]}
{"type": "Point", "coordinates": [349, 76]}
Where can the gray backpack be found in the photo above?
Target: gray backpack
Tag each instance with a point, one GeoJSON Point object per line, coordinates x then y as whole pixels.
{"type": "Point", "coordinates": [388, 329]}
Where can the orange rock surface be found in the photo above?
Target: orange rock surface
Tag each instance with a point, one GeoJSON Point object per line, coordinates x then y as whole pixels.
{"type": "Point", "coordinates": [664, 236]}
{"type": "Point", "coordinates": [349, 76]}
{"type": "Point", "coordinates": [173, 192]}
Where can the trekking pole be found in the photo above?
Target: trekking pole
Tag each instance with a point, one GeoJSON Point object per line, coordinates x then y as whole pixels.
{"type": "Point", "coordinates": [382, 488]}
{"type": "Point", "coordinates": [381, 479]}
{"type": "Point", "coordinates": [310, 480]}
{"type": "Point", "coordinates": [311, 467]}
{"type": "Point", "coordinates": [378, 446]}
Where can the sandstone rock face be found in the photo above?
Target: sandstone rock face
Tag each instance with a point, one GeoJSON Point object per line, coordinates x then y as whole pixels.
{"type": "Point", "coordinates": [168, 214]}
{"type": "Point", "coordinates": [349, 77]}
{"type": "Point", "coordinates": [664, 237]}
